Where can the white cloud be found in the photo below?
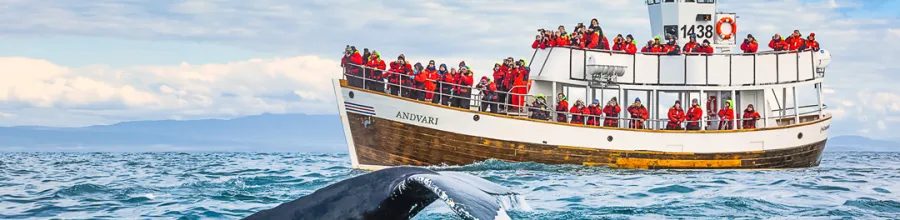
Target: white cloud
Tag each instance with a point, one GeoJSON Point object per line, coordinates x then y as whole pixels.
{"type": "Point", "coordinates": [881, 125]}
{"type": "Point", "coordinates": [280, 85]}
{"type": "Point", "coordinates": [837, 113]}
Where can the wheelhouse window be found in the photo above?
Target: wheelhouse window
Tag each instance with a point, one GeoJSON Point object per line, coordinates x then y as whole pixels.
{"type": "Point", "coordinates": [670, 30]}
{"type": "Point", "coordinates": [706, 1]}
{"type": "Point", "coordinates": [652, 2]}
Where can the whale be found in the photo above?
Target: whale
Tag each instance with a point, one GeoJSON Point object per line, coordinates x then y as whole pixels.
{"type": "Point", "coordinates": [401, 193]}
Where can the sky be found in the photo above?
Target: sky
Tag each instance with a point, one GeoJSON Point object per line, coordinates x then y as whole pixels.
{"type": "Point", "coordinates": [76, 63]}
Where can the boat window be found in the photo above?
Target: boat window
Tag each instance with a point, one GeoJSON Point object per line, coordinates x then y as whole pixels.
{"type": "Point", "coordinates": [688, 0]}
{"type": "Point", "coordinates": [670, 0]}
{"type": "Point", "coordinates": [652, 2]}
{"type": "Point", "coordinates": [670, 30]}
{"type": "Point", "coordinates": [706, 1]}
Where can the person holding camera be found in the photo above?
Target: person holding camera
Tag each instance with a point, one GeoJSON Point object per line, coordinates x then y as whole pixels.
{"type": "Point", "coordinates": [810, 43]}
{"type": "Point", "coordinates": [750, 45]}
{"type": "Point", "coordinates": [778, 44]}
{"type": "Point", "coordinates": [463, 90]}
{"type": "Point", "coordinates": [376, 71]}
{"type": "Point", "coordinates": [611, 110]}
{"type": "Point", "coordinates": [488, 94]}
{"type": "Point", "coordinates": [638, 113]}
{"type": "Point", "coordinates": [705, 48]}
{"type": "Point", "coordinates": [691, 46]}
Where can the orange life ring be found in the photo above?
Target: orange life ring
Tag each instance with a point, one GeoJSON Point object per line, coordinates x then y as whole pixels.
{"type": "Point", "coordinates": [719, 28]}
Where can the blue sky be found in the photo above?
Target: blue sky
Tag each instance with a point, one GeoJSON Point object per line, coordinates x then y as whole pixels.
{"type": "Point", "coordinates": [73, 63]}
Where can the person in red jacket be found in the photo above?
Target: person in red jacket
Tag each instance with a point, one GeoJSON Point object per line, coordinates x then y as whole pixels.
{"type": "Point", "coordinates": [356, 67]}
{"type": "Point", "coordinates": [750, 45]}
{"type": "Point", "coordinates": [520, 83]}
{"type": "Point", "coordinates": [591, 39]}
{"type": "Point", "coordinates": [488, 94]}
{"type": "Point", "coordinates": [778, 44]}
{"type": "Point", "coordinates": [618, 43]}
{"type": "Point", "coordinates": [611, 110]}
{"type": "Point", "coordinates": [345, 61]}
{"type": "Point", "coordinates": [676, 117]}
{"type": "Point", "coordinates": [750, 117]}
{"type": "Point", "coordinates": [562, 39]}
{"type": "Point", "coordinates": [811, 43]}
{"type": "Point", "coordinates": [630, 45]}
{"type": "Point", "coordinates": [691, 46]}
{"type": "Point", "coordinates": [795, 41]}
{"type": "Point", "coordinates": [427, 79]}
{"type": "Point", "coordinates": [604, 43]}
{"type": "Point", "coordinates": [562, 106]}
{"type": "Point", "coordinates": [726, 115]}
{"type": "Point", "coordinates": [538, 42]}
{"type": "Point", "coordinates": [594, 112]}
{"type": "Point", "coordinates": [500, 80]}
{"type": "Point", "coordinates": [658, 46]}
{"type": "Point", "coordinates": [446, 83]}
{"type": "Point", "coordinates": [376, 67]}
{"type": "Point", "coordinates": [639, 114]}
{"type": "Point", "coordinates": [694, 115]}
{"type": "Point", "coordinates": [577, 111]}
{"type": "Point", "coordinates": [463, 89]}
{"type": "Point", "coordinates": [648, 48]}
{"type": "Point", "coordinates": [705, 48]}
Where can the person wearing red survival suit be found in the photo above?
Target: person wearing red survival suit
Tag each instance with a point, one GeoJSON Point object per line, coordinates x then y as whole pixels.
{"type": "Point", "coordinates": [676, 117]}
{"type": "Point", "coordinates": [577, 111]}
{"type": "Point", "coordinates": [750, 45]}
{"type": "Point", "coordinates": [345, 61]}
{"type": "Point", "coordinates": [488, 94]}
{"type": "Point", "coordinates": [638, 113]}
{"type": "Point", "coordinates": [648, 48]}
{"type": "Point", "coordinates": [520, 84]}
{"type": "Point", "coordinates": [562, 39]}
{"type": "Point", "coordinates": [811, 43]}
{"type": "Point", "coordinates": [356, 68]}
{"type": "Point", "coordinates": [501, 81]}
{"type": "Point", "coordinates": [705, 48]}
{"type": "Point", "coordinates": [394, 75]}
{"type": "Point", "coordinates": [595, 112]}
{"type": "Point", "coordinates": [419, 77]}
{"type": "Point", "coordinates": [694, 115]}
{"type": "Point", "coordinates": [538, 42]}
{"type": "Point", "coordinates": [376, 66]}
{"type": "Point", "coordinates": [630, 47]}
{"type": "Point", "coordinates": [562, 106]}
{"type": "Point", "coordinates": [447, 79]}
{"type": "Point", "coordinates": [430, 79]}
{"type": "Point", "coordinates": [618, 43]}
{"type": "Point", "coordinates": [463, 90]}
{"type": "Point", "coordinates": [777, 43]}
{"type": "Point", "coordinates": [795, 41]}
{"type": "Point", "coordinates": [750, 117]}
{"type": "Point", "coordinates": [726, 115]}
{"type": "Point", "coordinates": [692, 45]}
{"type": "Point", "coordinates": [612, 111]}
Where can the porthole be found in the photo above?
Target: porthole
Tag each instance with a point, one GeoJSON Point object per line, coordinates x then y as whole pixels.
{"type": "Point", "coordinates": [476, 117]}
{"type": "Point", "coordinates": [350, 94]}
{"type": "Point", "coordinates": [800, 135]}
{"type": "Point", "coordinates": [609, 138]}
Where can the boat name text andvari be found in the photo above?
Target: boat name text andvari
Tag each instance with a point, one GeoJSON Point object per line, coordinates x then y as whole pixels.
{"type": "Point", "coordinates": [417, 118]}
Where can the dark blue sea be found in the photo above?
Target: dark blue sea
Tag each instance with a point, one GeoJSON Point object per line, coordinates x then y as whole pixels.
{"type": "Point", "coordinates": [863, 185]}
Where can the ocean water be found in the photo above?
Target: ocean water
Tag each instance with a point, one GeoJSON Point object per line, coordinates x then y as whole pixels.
{"type": "Point", "coordinates": [861, 185]}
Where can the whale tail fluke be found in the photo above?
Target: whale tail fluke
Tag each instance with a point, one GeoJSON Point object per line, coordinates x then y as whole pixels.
{"type": "Point", "coordinates": [401, 193]}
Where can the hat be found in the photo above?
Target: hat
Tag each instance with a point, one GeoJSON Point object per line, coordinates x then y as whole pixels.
{"type": "Point", "coordinates": [596, 101]}
{"type": "Point", "coordinates": [813, 35]}
{"type": "Point", "coordinates": [677, 101]}
{"type": "Point", "coordinates": [693, 35]}
{"type": "Point", "coordinates": [749, 35]}
{"type": "Point", "coordinates": [694, 101]}
{"type": "Point", "coordinates": [353, 48]}
{"type": "Point", "coordinates": [637, 99]}
{"type": "Point", "coordinates": [705, 40]}
{"type": "Point", "coordinates": [431, 62]}
{"type": "Point", "coordinates": [750, 106]}
{"type": "Point", "coordinates": [656, 37]}
{"type": "Point", "coordinates": [614, 99]}
{"type": "Point", "coordinates": [401, 56]}
{"type": "Point", "coordinates": [462, 63]}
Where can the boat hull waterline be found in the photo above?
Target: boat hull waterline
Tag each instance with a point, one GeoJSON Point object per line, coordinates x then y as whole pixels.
{"type": "Point", "coordinates": [384, 138]}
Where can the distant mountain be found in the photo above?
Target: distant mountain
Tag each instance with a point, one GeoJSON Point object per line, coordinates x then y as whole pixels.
{"type": "Point", "coordinates": [859, 143]}
{"type": "Point", "coordinates": [268, 132]}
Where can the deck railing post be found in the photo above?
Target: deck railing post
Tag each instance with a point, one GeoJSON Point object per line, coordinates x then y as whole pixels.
{"type": "Point", "coordinates": [820, 98]}
{"type": "Point", "coordinates": [796, 108]}
{"type": "Point", "coordinates": [766, 111]}
{"type": "Point", "coordinates": [624, 100]}
{"type": "Point", "coordinates": [734, 110]}
{"type": "Point", "coordinates": [704, 115]}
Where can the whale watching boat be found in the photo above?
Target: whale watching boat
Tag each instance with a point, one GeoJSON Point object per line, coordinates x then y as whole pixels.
{"type": "Point", "coordinates": [384, 130]}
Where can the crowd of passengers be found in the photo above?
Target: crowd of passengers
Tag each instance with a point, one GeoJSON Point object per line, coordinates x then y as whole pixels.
{"type": "Point", "coordinates": [593, 114]}
{"type": "Point", "coordinates": [592, 37]}
{"type": "Point", "coordinates": [436, 83]}
{"type": "Point", "coordinates": [510, 83]}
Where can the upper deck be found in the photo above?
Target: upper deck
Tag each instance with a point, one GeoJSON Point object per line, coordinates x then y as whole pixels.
{"type": "Point", "coordinates": [686, 71]}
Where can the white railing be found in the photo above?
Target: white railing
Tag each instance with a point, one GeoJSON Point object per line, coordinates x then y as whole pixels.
{"type": "Point", "coordinates": [528, 110]}
{"type": "Point", "coordinates": [743, 69]}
